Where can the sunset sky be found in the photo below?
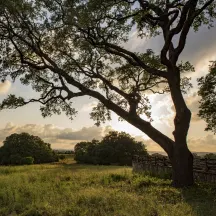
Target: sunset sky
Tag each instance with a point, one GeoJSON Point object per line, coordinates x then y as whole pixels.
{"type": "Point", "coordinates": [63, 133]}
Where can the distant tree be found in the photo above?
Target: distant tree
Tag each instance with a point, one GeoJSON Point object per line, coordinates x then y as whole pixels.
{"type": "Point", "coordinates": [85, 152]}
{"type": "Point", "coordinates": [63, 151]}
{"type": "Point", "coordinates": [207, 91]}
{"type": "Point", "coordinates": [158, 155]}
{"type": "Point", "coordinates": [196, 156]}
{"type": "Point", "coordinates": [114, 148]}
{"type": "Point", "coordinates": [25, 148]}
{"type": "Point", "coordinates": [123, 147]}
{"type": "Point", "coordinates": [210, 156]}
{"type": "Point", "coordinates": [69, 152]}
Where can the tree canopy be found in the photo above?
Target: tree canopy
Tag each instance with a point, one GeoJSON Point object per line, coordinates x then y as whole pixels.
{"type": "Point", "coordinates": [207, 91]}
{"type": "Point", "coordinates": [26, 149]}
{"type": "Point", "coordinates": [115, 148]}
{"type": "Point", "coordinates": [67, 49]}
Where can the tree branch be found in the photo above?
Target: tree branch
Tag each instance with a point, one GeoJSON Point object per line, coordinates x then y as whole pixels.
{"type": "Point", "coordinates": [119, 51]}
{"type": "Point", "coordinates": [185, 30]}
{"type": "Point", "coordinates": [199, 11]}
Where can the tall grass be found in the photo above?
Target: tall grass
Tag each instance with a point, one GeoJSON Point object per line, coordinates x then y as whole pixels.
{"type": "Point", "coordinates": [69, 189]}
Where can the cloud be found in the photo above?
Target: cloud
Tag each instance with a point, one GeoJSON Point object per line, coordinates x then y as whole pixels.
{"type": "Point", "coordinates": [150, 144]}
{"type": "Point", "coordinates": [203, 144]}
{"type": "Point", "coordinates": [5, 87]}
{"type": "Point", "coordinates": [193, 104]}
{"type": "Point", "coordinates": [88, 107]}
{"type": "Point", "coordinates": [196, 144]}
{"type": "Point", "coordinates": [135, 43]}
{"type": "Point", "coordinates": [163, 113]}
{"type": "Point", "coordinates": [83, 134]}
{"type": "Point", "coordinates": [64, 138]}
{"type": "Point", "coordinates": [43, 131]}
{"type": "Point", "coordinates": [200, 45]}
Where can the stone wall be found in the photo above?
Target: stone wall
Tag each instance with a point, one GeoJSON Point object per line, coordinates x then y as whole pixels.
{"type": "Point", "coordinates": [204, 169]}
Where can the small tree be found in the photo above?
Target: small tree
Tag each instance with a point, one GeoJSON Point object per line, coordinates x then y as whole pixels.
{"type": "Point", "coordinates": [20, 148]}
{"type": "Point", "coordinates": [207, 91]}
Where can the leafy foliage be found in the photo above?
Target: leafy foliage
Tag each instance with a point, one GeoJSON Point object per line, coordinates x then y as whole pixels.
{"type": "Point", "coordinates": [207, 91]}
{"type": "Point", "coordinates": [114, 148]}
{"type": "Point", "coordinates": [27, 160]}
{"type": "Point", "coordinates": [210, 156]}
{"type": "Point", "coordinates": [89, 56]}
{"type": "Point", "coordinates": [25, 149]}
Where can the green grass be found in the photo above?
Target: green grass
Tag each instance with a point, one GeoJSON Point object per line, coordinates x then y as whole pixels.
{"type": "Point", "coordinates": [69, 189]}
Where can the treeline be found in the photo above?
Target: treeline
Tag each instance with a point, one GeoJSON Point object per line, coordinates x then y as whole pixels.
{"type": "Point", "coordinates": [207, 156]}
{"type": "Point", "coordinates": [19, 149]}
{"type": "Point", "coordinates": [115, 148]}
{"type": "Point", "coordinates": [66, 152]}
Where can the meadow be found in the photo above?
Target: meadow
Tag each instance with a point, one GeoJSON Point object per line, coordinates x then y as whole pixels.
{"type": "Point", "coordinates": [69, 189]}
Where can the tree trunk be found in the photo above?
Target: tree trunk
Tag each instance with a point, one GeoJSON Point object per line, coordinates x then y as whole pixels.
{"type": "Point", "coordinates": [181, 158]}
{"type": "Point", "coordinates": [182, 166]}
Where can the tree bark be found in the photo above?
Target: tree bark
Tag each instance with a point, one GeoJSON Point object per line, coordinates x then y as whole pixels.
{"type": "Point", "coordinates": [182, 166]}
{"type": "Point", "coordinates": [181, 157]}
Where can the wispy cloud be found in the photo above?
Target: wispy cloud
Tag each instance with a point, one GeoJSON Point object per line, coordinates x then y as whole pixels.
{"type": "Point", "coordinates": [58, 137]}
{"type": "Point", "coordinates": [196, 144]}
{"type": "Point", "coordinates": [88, 107]}
{"type": "Point", "coordinates": [5, 87]}
{"type": "Point", "coordinates": [203, 144]}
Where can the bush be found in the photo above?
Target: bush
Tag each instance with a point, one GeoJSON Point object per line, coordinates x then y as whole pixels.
{"type": "Point", "coordinates": [15, 159]}
{"type": "Point", "coordinates": [115, 148]}
{"type": "Point", "coordinates": [61, 157]}
{"type": "Point", "coordinates": [22, 148]}
{"type": "Point", "coordinates": [27, 161]}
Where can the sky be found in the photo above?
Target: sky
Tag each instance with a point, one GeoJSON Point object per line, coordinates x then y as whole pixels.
{"type": "Point", "coordinates": [63, 133]}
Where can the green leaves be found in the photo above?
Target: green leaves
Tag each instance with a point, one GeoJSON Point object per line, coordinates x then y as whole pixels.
{"type": "Point", "coordinates": [207, 91]}
{"type": "Point", "coordinates": [114, 148]}
{"type": "Point", "coordinates": [207, 16]}
{"type": "Point", "coordinates": [56, 106]}
{"type": "Point", "coordinates": [25, 149]}
{"type": "Point", "coordinates": [12, 102]}
{"type": "Point", "coordinates": [100, 114]}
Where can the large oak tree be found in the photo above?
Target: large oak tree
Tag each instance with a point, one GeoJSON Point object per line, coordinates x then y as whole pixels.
{"type": "Point", "coordinates": [73, 48]}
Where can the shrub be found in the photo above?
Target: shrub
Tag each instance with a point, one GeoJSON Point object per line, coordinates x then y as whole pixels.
{"type": "Point", "coordinates": [61, 157]}
{"type": "Point", "coordinates": [17, 147]}
{"type": "Point", "coordinates": [27, 161]}
{"type": "Point", "coordinates": [115, 148]}
{"type": "Point", "coordinates": [15, 159]}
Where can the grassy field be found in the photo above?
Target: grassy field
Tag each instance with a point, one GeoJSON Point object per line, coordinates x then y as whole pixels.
{"type": "Point", "coordinates": [69, 189]}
